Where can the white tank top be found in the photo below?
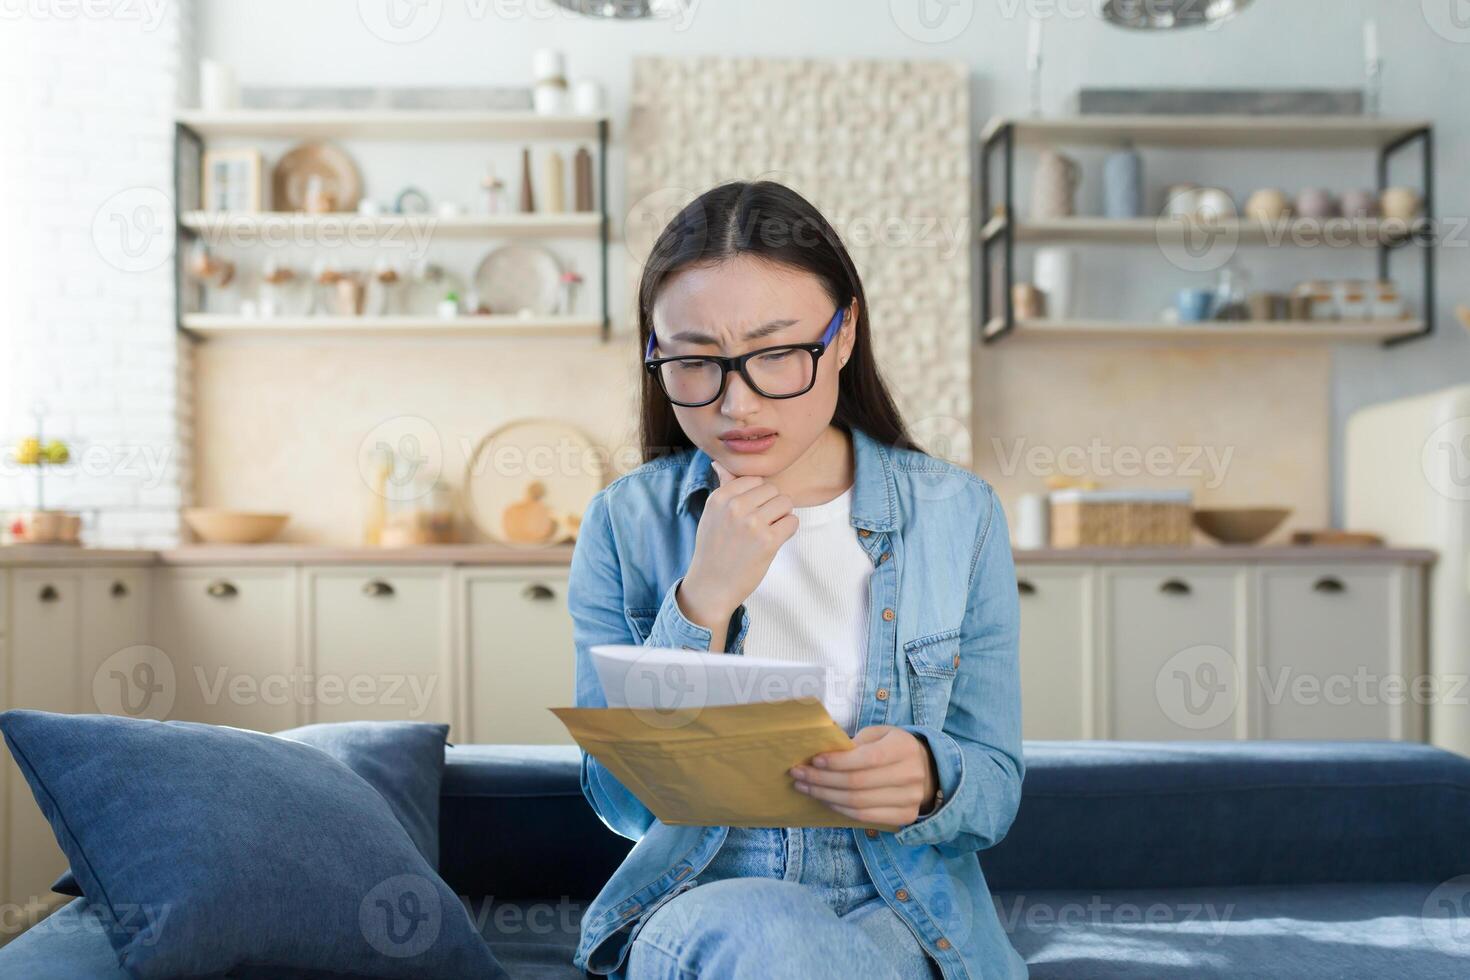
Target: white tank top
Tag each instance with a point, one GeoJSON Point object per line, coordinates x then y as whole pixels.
{"type": "Point", "coordinates": [812, 606]}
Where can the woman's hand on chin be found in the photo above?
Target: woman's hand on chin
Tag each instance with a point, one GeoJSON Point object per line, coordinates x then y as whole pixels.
{"type": "Point", "coordinates": [889, 778]}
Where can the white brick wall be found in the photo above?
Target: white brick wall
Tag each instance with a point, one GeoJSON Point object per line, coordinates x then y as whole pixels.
{"type": "Point", "coordinates": [86, 274]}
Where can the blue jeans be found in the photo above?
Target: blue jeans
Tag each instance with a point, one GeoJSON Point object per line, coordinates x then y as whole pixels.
{"type": "Point", "coordinates": [778, 903]}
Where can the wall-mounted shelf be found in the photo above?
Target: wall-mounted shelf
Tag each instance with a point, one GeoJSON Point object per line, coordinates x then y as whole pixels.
{"type": "Point", "coordinates": [1329, 233]}
{"type": "Point", "coordinates": [1002, 227]}
{"type": "Point", "coordinates": [193, 129]}
{"type": "Point", "coordinates": [1250, 332]}
{"type": "Point", "coordinates": [206, 325]}
{"type": "Point", "coordinates": [1284, 132]}
{"type": "Point", "coordinates": [217, 225]}
{"type": "Point", "coordinates": [391, 124]}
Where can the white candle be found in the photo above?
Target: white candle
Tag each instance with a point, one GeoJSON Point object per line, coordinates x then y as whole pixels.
{"type": "Point", "coordinates": [1370, 40]}
{"type": "Point", "coordinates": [1033, 47]}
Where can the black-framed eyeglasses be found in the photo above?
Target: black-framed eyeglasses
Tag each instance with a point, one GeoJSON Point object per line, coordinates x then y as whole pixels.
{"type": "Point", "coordinates": [784, 371]}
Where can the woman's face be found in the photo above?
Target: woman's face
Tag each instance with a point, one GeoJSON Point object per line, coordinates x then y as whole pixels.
{"type": "Point", "coordinates": [742, 304]}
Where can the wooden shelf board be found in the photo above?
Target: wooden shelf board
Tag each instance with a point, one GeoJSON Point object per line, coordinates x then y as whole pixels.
{"type": "Point", "coordinates": [225, 325]}
{"type": "Point", "coordinates": [1294, 233]}
{"type": "Point", "coordinates": [440, 124]}
{"type": "Point", "coordinates": [227, 225]}
{"type": "Point", "coordinates": [1248, 331]}
{"type": "Point", "coordinates": [1307, 132]}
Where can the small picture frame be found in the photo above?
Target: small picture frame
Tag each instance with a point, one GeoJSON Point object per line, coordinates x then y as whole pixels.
{"type": "Point", "coordinates": [233, 180]}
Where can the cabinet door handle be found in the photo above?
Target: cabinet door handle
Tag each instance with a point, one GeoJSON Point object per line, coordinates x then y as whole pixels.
{"type": "Point", "coordinates": [221, 589]}
{"type": "Point", "coordinates": [1329, 585]}
{"type": "Point", "coordinates": [377, 587]}
{"type": "Point", "coordinates": [537, 591]}
{"type": "Point", "coordinates": [1175, 586]}
{"type": "Point", "coordinates": [1025, 587]}
{"type": "Point", "coordinates": [119, 589]}
{"type": "Point", "coordinates": [48, 593]}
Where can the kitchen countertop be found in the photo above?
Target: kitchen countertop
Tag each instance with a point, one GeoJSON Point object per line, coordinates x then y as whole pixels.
{"type": "Point", "coordinates": [496, 554]}
{"type": "Point", "coordinates": [1227, 554]}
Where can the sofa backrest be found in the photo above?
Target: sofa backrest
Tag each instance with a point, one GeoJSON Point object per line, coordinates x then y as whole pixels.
{"type": "Point", "coordinates": [1098, 815]}
{"type": "Point", "coordinates": [1093, 815]}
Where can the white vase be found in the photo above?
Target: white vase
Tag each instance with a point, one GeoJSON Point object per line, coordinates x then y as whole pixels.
{"type": "Point", "coordinates": [1054, 272]}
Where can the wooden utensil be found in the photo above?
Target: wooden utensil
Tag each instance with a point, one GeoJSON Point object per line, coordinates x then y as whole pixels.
{"type": "Point", "coordinates": [548, 461]}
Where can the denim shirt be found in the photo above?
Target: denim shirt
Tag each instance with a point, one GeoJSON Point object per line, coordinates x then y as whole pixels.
{"type": "Point", "coordinates": [941, 663]}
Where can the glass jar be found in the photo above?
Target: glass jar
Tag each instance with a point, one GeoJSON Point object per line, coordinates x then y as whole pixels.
{"type": "Point", "coordinates": [1352, 299]}
{"type": "Point", "coordinates": [1386, 302]}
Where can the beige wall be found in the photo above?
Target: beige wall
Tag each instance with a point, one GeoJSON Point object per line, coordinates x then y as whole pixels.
{"type": "Point", "coordinates": [281, 425]}
{"type": "Point", "coordinates": [1237, 426]}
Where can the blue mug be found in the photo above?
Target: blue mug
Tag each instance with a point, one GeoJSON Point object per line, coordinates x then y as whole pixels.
{"type": "Point", "coordinates": [1194, 305]}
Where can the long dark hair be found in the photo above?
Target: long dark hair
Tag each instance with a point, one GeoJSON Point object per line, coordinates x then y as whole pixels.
{"type": "Point", "coordinates": [769, 220]}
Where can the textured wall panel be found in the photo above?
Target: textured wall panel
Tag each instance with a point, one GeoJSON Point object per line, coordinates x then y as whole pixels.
{"type": "Point", "coordinates": [881, 147]}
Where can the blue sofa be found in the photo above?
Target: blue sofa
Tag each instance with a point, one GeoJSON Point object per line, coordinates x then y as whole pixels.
{"type": "Point", "coordinates": [1264, 859]}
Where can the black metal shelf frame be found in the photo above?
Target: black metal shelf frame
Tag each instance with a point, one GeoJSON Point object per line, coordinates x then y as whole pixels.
{"type": "Point", "coordinates": [1003, 240]}
{"type": "Point", "coordinates": [187, 189]}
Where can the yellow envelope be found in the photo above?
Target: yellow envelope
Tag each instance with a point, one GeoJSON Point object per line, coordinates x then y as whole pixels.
{"type": "Point", "coordinates": [717, 766]}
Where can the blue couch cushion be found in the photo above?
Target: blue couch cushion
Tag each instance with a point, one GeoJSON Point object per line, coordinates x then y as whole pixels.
{"type": "Point", "coordinates": [402, 760]}
{"type": "Point", "coordinates": [210, 849]}
{"type": "Point", "coordinates": [1305, 932]}
{"type": "Point", "coordinates": [1173, 815]}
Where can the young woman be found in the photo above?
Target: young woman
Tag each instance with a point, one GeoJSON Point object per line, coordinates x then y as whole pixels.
{"type": "Point", "coordinates": [783, 511]}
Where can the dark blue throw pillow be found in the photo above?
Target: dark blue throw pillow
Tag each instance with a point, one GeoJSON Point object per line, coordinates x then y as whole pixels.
{"type": "Point", "coordinates": [403, 760]}
{"type": "Point", "coordinates": [210, 849]}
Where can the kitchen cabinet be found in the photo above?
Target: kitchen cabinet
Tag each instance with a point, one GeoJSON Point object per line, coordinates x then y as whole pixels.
{"type": "Point", "coordinates": [520, 658]}
{"type": "Point", "coordinates": [229, 634]}
{"type": "Point", "coordinates": [1172, 651]}
{"type": "Point", "coordinates": [59, 627]}
{"type": "Point", "coordinates": [1338, 654]}
{"type": "Point", "coordinates": [118, 675]}
{"type": "Point", "coordinates": [1278, 647]}
{"type": "Point", "coordinates": [43, 644]}
{"type": "Point", "coordinates": [1056, 651]}
{"type": "Point", "coordinates": [377, 644]}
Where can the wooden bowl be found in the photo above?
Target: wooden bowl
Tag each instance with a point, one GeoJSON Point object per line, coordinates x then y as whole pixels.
{"type": "Point", "coordinates": [216, 525]}
{"type": "Point", "coordinates": [1239, 525]}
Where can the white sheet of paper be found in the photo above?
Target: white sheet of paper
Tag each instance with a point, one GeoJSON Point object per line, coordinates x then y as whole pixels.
{"type": "Point", "coordinates": [665, 678]}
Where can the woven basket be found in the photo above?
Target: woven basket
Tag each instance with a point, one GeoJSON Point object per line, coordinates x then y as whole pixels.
{"type": "Point", "coordinates": [1121, 519]}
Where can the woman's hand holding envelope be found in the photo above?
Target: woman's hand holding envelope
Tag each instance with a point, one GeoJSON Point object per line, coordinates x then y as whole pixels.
{"type": "Point", "coordinates": [888, 778]}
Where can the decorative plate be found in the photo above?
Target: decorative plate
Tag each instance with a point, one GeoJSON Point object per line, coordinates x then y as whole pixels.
{"type": "Point", "coordinates": [520, 280]}
{"type": "Point", "coordinates": [541, 473]}
{"type": "Point", "coordinates": [293, 172]}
